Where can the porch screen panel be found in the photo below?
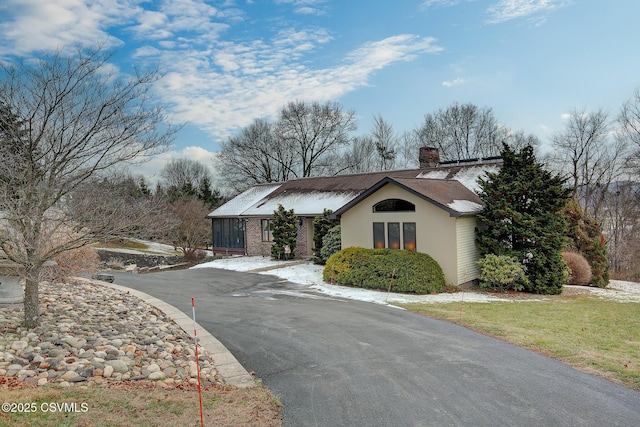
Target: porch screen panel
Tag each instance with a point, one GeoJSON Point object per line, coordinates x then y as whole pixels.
{"type": "Point", "coordinates": [393, 229]}
{"type": "Point", "coordinates": [378, 234]}
{"type": "Point", "coordinates": [228, 233]}
{"type": "Point", "coordinates": [217, 232]}
{"type": "Point", "coordinates": [236, 233]}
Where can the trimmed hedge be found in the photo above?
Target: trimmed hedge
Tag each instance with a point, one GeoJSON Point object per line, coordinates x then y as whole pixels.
{"type": "Point", "coordinates": [413, 272]}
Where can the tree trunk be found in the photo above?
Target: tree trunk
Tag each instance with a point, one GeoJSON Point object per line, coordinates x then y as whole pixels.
{"type": "Point", "coordinates": [31, 303]}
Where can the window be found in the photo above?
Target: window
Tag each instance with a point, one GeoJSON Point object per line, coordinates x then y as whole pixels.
{"type": "Point", "coordinates": [393, 230]}
{"type": "Point", "coordinates": [409, 235]}
{"type": "Point", "coordinates": [378, 235]}
{"type": "Point", "coordinates": [267, 233]}
{"type": "Point", "coordinates": [394, 205]}
{"type": "Point", "coordinates": [393, 237]}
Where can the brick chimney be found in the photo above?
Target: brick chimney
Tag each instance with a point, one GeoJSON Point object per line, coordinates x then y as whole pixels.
{"type": "Point", "coordinates": [428, 157]}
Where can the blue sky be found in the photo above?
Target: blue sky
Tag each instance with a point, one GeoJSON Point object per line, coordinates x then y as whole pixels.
{"type": "Point", "coordinates": [228, 62]}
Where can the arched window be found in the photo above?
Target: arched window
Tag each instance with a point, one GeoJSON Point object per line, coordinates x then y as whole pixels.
{"type": "Point", "coordinates": [394, 205]}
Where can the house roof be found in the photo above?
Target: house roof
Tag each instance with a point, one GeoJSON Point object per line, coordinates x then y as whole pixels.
{"type": "Point", "coordinates": [449, 195]}
{"type": "Point", "coordinates": [466, 174]}
{"type": "Point", "coordinates": [451, 186]}
{"type": "Point", "coordinates": [236, 206]}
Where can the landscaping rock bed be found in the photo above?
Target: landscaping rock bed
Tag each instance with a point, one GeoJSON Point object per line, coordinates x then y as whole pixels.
{"type": "Point", "coordinates": [92, 335]}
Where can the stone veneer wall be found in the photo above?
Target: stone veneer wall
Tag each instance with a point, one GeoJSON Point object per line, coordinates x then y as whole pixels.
{"type": "Point", "coordinates": [255, 245]}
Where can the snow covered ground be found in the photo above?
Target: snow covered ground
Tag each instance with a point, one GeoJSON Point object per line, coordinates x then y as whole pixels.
{"type": "Point", "coordinates": [307, 273]}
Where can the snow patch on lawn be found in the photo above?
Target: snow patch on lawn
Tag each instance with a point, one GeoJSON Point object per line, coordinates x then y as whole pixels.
{"type": "Point", "coordinates": [618, 290]}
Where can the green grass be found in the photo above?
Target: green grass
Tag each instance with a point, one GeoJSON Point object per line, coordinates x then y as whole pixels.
{"type": "Point", "coordinates": [597, 336]}
{"type": "Point", "coordinates": [106, 407]}
{"type": "Point", "coordinates": [122, 244]}
{"type": "Point", "coordinates": [130, 244]}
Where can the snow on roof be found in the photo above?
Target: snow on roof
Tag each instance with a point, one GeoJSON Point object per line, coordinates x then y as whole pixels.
{"type": "Point", "coordinates": [465, 206]}
{"type": "Point", "coordinates": [303, 203]}
{"type": "Point", "coordinates": [435, 174]}
{"type": "Point", "coordinates": [237, 205]}
{"type": "Point", "coordinates": [467, 176]}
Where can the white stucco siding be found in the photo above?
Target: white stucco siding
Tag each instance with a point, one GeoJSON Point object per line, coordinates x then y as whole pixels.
{"type": "Point", "coordinates": [467, 250]}
{"type": "Point", "coordinates": [435, 228]}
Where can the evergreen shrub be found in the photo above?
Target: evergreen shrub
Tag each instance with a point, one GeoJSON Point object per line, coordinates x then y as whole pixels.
{"type": "Point", "coordinates": [412, 272]}
{"type": "Point", "coordinates": [501, 272]}
{"type": "Point", "coordinates": [331, 243]}
{"type": "Point", "coordinates": [321, 226]}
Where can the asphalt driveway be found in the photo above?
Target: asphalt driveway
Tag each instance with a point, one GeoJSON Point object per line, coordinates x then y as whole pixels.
{"type": "Point", "coordinates": [336, 362]}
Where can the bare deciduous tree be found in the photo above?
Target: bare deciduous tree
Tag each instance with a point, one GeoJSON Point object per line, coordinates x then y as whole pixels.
{"type": "Point", "coordinates": [314, 133]}
{"type": "Point", "coordinates": [462, 132]}
{"type": "Point", "coordinates": [184, 174]}
{"type": "Point", "coordinates": [518, 140]}
{"type": "Point", "coordinates": [191, 232]}
{"type": "Point", "coordinates": [629, 120]}
{"type": "Point", "coordinates": [630, 117]}
{"type": "Point", "coordinates": [592, 159]}
{"type": "Point", "coordinates": [385, 141]}
{"type": "Point", "coordinates": [254, 156]}
{"type": "Point", "coordinates": [408, 148]}
{"type": "Point", "coordinates": [358, 157]}
{"type": "Point", "coordinates": [78, 120]}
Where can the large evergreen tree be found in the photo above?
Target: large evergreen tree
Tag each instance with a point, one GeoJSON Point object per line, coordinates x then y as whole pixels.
{"type": "Point", "coordinates": [285, 232]}
{"type": "Point", "coordinates": [523, 218]}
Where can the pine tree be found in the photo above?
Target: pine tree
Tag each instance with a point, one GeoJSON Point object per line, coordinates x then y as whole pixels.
{"type": "Point", "coordinates": [523, 217]}
{"type": "Point", "coordinates": [322, 224]}
{"type": "Point", "coordinates": [210, 197]}
{"type": "Point", "coordinates": [587, 238]}
{"type": "Point", "coordinates": [285, 232]}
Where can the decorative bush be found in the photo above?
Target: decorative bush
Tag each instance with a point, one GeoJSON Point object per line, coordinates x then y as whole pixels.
{"type": "Point", "coordinates": [412, 272]}
{"type": "Point", "coordinates": [339, 265]}
{"type": "Point", "coordinates": [579, 268]}
{"type": "Point", "coordinates": [331, 243]}
{"type": "Point", "coordinates": [501, 272]}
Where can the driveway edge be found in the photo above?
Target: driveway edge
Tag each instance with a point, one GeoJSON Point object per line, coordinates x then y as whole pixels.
{"type": "Point", "coordinates": [226, 364]}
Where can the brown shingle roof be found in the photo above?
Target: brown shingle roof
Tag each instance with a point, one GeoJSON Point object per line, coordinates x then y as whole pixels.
{"type": "Point", "coordinates": [449, 195]}
{"type": "Point", "coordinates": [341, 183]}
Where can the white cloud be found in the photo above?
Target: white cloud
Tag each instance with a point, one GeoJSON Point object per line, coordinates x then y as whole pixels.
{"type": "Point", "coordinates": [456, 82]}
{"type": "Point", "coordinates": [309, 11]}
{"type": "Point", "coordinates": [506, 10]}
{"type": "Point", "coordinates": [32, 25]}
{"type": "Point", "coordinates": [218, 85]}
{"type": "Point", "coordinates": [256, 79]}
{"type": "Point", "coordinates": [439, 3]}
